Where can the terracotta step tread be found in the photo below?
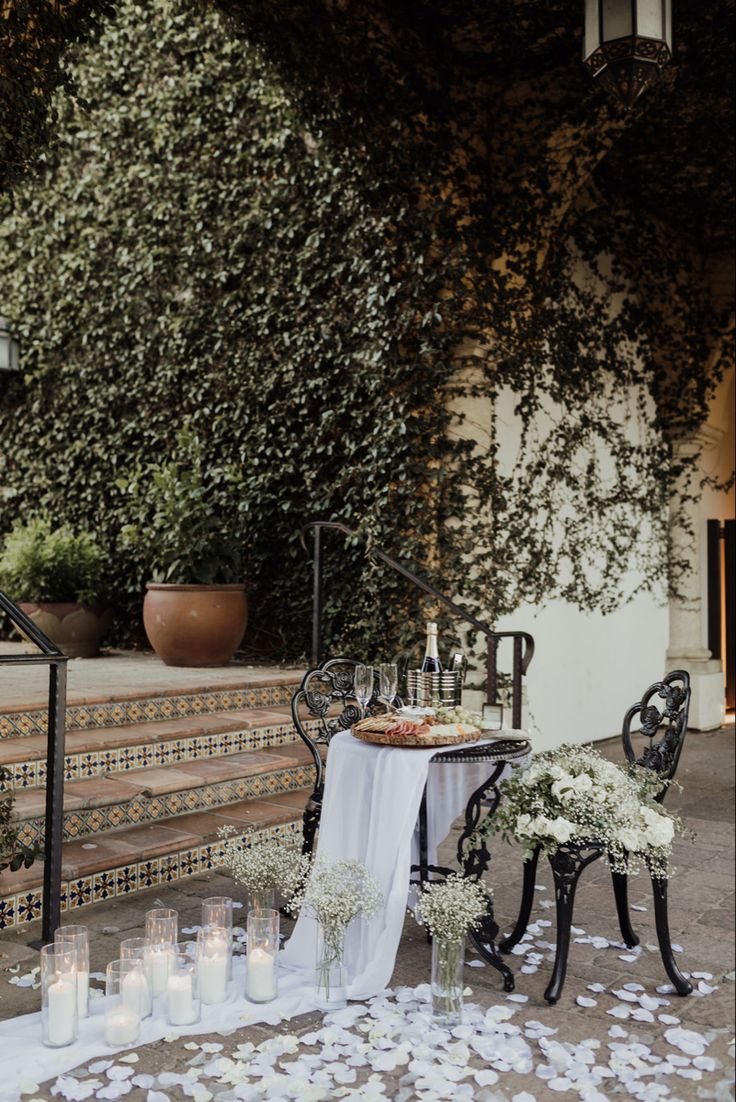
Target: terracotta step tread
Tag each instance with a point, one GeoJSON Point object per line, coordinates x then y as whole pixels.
{"type": "Point", "coordinates": [133, 844]}
{"type": "Point", "coordinates": [122, 787]}
{"type": "Point", "coordinates": [34, 747]}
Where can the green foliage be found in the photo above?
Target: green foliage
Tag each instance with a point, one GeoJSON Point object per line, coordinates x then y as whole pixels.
{"type": "Point", "coordinates": [220, 243]}
{"type": "Point", "coordinates": [13, 854]}
{"type": "Point", "coordinates": [178, 534]}
{"type": "Point", "coordinates": [40, 562]}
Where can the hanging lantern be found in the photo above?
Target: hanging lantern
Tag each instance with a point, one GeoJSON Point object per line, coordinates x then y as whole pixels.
{"type": "Point", "coordinates": [8, 348]}
{"type": "Point", "coordinates": [627, 44]}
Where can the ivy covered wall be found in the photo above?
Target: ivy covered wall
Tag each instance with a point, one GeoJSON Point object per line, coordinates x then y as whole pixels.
{"type": "Point", "coordinates": [202, 248]}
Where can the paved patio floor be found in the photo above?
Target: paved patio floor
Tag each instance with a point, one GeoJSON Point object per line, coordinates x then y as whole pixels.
{"type": "Point", "coordinates": [702, 921]}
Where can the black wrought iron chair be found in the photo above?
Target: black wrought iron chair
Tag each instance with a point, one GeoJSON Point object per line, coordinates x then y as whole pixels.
{"type": "Point", "coordinates": [324, 704]}
{"type": "Point", "coordinates": [569, 861]}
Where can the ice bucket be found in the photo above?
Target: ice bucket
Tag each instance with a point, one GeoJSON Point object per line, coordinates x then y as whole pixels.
{"type": "Point", "coordinates": [430, 690]}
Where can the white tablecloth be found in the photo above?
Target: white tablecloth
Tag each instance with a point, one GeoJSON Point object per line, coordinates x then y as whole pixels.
{"type": "Point", "coordinates": [371, 803]}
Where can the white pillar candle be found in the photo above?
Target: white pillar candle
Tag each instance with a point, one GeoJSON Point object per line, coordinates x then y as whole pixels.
{"type": "Point", "coordinates": [180, 999]}
{"type": "Point", "coordinates": [213, 970]}
{"type": "Point", "coordinates": [157, 964]}
{"type": "Point", "coordinates": [122, 1025]}
{"type": "Point", "coordinates": [83, 994]}
{"type": "Point", "coordinates": [62, 1012]}
{"type": "Point", "coordinates": [135, 993]}
{"type": "Point", "coordinates": [260, 983]}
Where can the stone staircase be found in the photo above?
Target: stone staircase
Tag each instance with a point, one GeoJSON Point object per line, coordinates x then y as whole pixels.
{"type": "Point", "coordinates": [150, 778]}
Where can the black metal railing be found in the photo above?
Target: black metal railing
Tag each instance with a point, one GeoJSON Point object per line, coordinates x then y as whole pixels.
{"type": "Point", "coordinates": [523, 643]}
{"type": "Point", "coordinates": [52, 657]}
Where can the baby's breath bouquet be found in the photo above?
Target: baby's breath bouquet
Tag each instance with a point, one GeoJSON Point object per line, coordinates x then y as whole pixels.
{"type": "Point", "coordinates": [448, 909]}
{"type": "Point", "coordinates": [335, 893]}
{"type": "Point", "coordinates": [574, 795]}
{"type": "Point", "coordinates": [263, 867]}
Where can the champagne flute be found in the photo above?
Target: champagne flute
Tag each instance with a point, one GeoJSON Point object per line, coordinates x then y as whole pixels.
{"type": "Point", "coordinates": [363, 685]}
{"type": "Point", "coordinates": [388, 679]}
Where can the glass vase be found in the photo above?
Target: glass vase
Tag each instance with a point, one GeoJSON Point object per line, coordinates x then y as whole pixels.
{"type": "Point", "coordinates": [448, 961]}
{"type": "Point", "coordinates": [330, 978]}
{"type": "Point", "coordinates": [263, 900]}
{"type": "Point", "coordinates": [218, 911]}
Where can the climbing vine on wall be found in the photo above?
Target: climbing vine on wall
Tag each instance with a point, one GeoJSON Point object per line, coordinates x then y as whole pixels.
{"type": "Point", "coordinates": [313, 279]}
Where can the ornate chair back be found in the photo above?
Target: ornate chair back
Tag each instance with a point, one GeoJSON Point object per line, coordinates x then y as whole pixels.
{"type": "Point", "coordinates": [326, 702]}
{"type": "Point", "coordinates": [667, 723]}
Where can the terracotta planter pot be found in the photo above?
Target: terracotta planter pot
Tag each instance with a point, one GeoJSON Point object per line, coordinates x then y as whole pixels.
{"type": "Point", "coordinates": [76, 629]}
{"type": "Point", "coordinates": [195, 625]}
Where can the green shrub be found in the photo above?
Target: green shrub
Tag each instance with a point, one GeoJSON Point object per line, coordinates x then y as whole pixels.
{"type": "Point", "coordinates": [43, 563]}
{"type": "Point", "coordinates": [179, 534]}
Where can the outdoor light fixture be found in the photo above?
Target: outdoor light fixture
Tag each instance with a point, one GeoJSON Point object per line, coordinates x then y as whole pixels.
{"type": "Point", "coordinates": [627, 44]}
{"type": "Point", "coordinates": [9, 357]}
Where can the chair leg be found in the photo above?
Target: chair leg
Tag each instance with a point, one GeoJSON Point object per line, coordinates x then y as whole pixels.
{"type": "Point", "coordinates": [527, 901]}
{"type": "Point", "coordinates": [621, 894]}
{"type": "Point", "coordinates": [567, 865]}
{"type": "Point", "coordinates": [310, 821]}
{"type": "Point", "coordinates": [681, 985]}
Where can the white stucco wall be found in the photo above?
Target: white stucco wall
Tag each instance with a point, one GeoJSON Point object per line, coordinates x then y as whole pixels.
{"type": "Point", "coordinates": [588, 667]}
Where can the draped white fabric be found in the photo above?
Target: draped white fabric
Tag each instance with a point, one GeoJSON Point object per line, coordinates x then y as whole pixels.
{"type": "Point", "coordinates": [371, 803]}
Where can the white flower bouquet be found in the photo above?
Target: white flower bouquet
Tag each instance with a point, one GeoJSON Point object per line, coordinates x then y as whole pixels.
{"type": "Point", "coordinates": [335, 893]}
{"type": "Point", "coordinates": [263, 867]}
{"type": "Point", "coordinates": [449, 908]}
{"type": "Point", "coordinates": [574, 795]}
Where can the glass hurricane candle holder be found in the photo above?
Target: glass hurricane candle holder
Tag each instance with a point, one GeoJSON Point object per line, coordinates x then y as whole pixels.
{"type": "Point", "coordinates": [135, 948]}
{"type": "Point", "coordinates": [218, 911]}
{"type": "Point", "coordinates": [161, 934]}
{"type": "Point", "coordinates": [78, 937]}
{"type": "Point", "coordinates": [213, 954]}
{"type": "Point", "coordinates": [125, 986]}
{"type": "Point", "coordinates": [261, 978]}
{"type": "Point", "coordinates": [182, 991]}
{"type": "Point", "coordinates": [59, 995]}
{"type": "Point", "coordinates": [448, 960]}
{"type": "Point", "coordinates": [162, 926]}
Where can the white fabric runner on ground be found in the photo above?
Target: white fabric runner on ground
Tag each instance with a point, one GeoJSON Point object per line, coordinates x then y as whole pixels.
{"type": "Point", "coordinates": [370, 809]}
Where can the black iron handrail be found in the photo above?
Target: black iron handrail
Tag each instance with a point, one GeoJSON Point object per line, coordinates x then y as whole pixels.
{"type": "Point", "coordinates": [56, 661]}
{"type": "Point", "coordinates": [523, 650]}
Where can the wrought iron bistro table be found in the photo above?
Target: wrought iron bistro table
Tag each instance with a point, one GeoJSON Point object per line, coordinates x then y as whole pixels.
{"type": "Point", "coordinates": [473, 855]}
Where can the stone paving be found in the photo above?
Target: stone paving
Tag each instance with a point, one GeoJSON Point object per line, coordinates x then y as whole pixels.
{"type": "Point", "coordinates": [701, 917]}
{"type": "Point", "coordinates": [120, 674]}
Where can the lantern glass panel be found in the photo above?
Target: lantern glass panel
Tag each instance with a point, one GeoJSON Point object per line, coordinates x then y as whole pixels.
{"type": "Point", "coordinates": [649, 18]}
{"type": "Point", "coordinates": [591, 28]}
{"type": "Point", "coordinates": [617, 21]}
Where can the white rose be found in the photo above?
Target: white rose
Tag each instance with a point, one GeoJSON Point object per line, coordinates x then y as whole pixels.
{"type": "Point", "coordinates": [661, 833]}
{"type": "Point", "coordinates": [630, 839]}
{"type": "Point", "coordinates": [562, 786]}
{"type": "Point", "coordinates": [561, 829]}
{"type": "Point", "coordinates": [539, 827]}
{"type": "Point", "coordinates": [557, 772]}
{"type": "Point", "coordinates": [522, 824]}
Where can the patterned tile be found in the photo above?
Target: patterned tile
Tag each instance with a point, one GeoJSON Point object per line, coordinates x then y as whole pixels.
{"type": "Point", "coordinates": [24, 907]}
{"type": "Point", "coordinates": [118, 713]}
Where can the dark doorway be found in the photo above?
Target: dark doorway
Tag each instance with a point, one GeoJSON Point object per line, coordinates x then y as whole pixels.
{"type": "Point", "coordinates": [722, 600]}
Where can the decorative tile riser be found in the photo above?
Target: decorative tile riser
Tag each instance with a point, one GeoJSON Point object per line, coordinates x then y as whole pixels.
{"type": "Point", "coordinates": [23, 907]}
{"type": "Point", "coordinates": [139, 810]}
{"type": "Point", "coordinates": [120, 759]}
{"type": "Point", "coordinates": [84, 717]}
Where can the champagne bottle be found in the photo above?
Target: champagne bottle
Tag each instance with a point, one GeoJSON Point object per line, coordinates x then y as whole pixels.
{"type": "Point", "coordinates": [431, 662]}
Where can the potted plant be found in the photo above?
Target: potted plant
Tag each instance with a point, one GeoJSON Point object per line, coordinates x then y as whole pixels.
{"type": "Point", "coordinates": [195, 611]}
{"type": "Point", "coordinates": [56, 576]}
